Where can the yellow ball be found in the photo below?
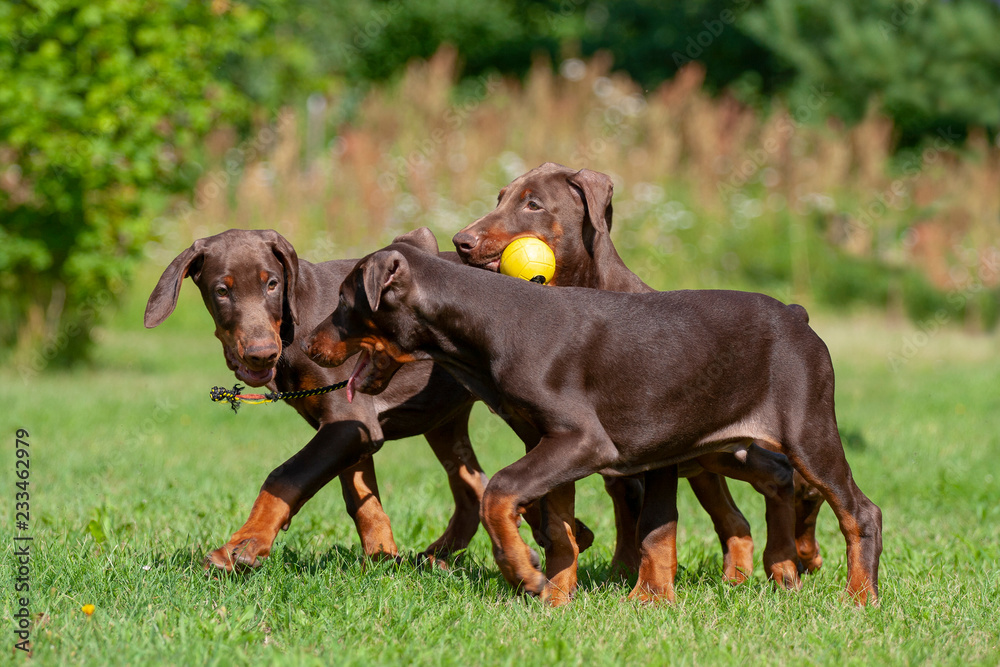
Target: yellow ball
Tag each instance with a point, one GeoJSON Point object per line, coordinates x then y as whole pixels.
{"type": "Point", "coordinates": [528, 258]}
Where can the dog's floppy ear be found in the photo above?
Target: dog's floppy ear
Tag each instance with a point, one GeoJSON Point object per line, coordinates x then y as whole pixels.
{"type": "Point", "coordinates": [163, 300]}
{"type": "Point", "coordinates": [422, 238]}
{"type": "Point", "coordinates": [596, 189]}
{"type": "Point", "coordinates": [382, 270]}
{"type": "Point", "coordinates": [285, 253]}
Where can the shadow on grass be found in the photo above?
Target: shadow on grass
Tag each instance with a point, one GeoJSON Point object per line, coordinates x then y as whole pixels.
{"type": "Point", "coordinates": [853, 439]}
{"type": "Point", "coordinates": [467, 570]}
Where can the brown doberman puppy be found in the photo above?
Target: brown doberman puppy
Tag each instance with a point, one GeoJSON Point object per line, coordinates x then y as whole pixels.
{"type": "Point", "coordinates": [263, 298]}
{"type": "Point", "coordinates": [571, 212]}
{"type": "Point", "coordinates": [707, 375]}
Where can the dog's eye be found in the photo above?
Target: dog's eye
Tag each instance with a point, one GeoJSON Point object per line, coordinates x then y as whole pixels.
{"type": "Point", "coordinates": [222, 291]}
{"type": "Point", "coordinates": [533, 206]}
{"type": "Point", "coordinates": [272, 285]}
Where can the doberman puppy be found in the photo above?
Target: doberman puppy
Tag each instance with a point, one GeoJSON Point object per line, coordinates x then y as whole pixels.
{"type": "Point", "coordinates": [626, 384]}
{"type": "Point", "coordinates": [550, 203]}
{"type": "Point", "coordinates": [263, 298]}
{"type": "Point", "coordinates": [571, 212]}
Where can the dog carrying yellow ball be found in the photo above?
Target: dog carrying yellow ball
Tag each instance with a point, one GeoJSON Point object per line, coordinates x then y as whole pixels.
{"type": "Point", "coordinates": [528, 258]}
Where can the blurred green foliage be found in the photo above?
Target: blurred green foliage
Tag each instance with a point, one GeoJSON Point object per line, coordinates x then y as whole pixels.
{"type": "Point", "coordinates": [104, 104]}
{"type": "Point", "coordinates": [927, 65]}
{"type": "Point", "coordinates": [317, 45]}
{"type": "Point", "coordinates": [650, 40]}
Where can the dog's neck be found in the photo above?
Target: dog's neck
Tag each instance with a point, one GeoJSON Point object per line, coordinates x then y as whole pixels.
{"type": "Point", "coordinates": [605, 270]}
{"type": "Point", "coordinates": [316, 288]}
{"type": "Point", "coordinates": [460, 338]}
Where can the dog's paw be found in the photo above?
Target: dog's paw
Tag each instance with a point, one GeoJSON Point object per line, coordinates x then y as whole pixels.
{"type": "Point", "coordinates": [554, 596]}
{"type": "Point", "coordinates": [648, 594]}
{"type": "Point", "coordinates": [809, 564]}
{"type": "Point", "coordinates": [242, 555]}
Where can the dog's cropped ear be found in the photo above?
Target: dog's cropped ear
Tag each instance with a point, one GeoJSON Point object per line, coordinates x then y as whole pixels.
{"type": "Point", "coordinates": [596, 189]}
{"type": "Point", "coordinates": [422, 238]}
{"type": "Point", "coordinates": [163, 300]}
{"type": "Point", "coordinates": [285, 253]}
{"type": "Point", "coordinates": [383, 270]}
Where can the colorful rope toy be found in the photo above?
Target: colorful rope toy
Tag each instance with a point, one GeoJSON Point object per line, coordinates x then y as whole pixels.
{"type": "Point", "coordinates": [235, 398]}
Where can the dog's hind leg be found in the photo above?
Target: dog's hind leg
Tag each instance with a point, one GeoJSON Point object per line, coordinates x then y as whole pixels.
{"type": "Point", "coordinates": [360, 488]}
{"type": "Point", "coordinates": [450, 443]}
{"type": "Point", "coordinates": [819, 456]}
{"type": "Point", "coordinates": [731, 526]}
{"type": "Point", "coordinates": [808, 502]}
{"type": "Point", "coordinates": [626, 496]}
{"type": "Point", "coordinates": [771, 475]}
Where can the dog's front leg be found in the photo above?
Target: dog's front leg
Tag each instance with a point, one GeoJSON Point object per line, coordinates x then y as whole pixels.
{"type": "Point", "coordinates": [549, 469]}
{"type": "Point", "coordinates": [333, 449]}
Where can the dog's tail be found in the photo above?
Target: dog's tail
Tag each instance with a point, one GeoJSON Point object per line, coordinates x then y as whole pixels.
{"type": "Point", "coordinates": [799, 311]}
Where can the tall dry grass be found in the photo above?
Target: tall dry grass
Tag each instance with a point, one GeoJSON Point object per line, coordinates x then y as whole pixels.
{"type": "Point", "coordinates": [705, 187]}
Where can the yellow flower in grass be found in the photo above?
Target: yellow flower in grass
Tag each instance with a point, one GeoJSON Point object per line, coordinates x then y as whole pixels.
{"type": "Point", "coordinates": [88, 609]}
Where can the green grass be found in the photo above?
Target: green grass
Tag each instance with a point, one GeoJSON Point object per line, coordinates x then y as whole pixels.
{"type": "Point", "coordinates": [131, 452]}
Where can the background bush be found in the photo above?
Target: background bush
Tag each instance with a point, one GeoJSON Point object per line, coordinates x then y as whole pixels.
{"type": "Point", "coordinates": [104, 105]}
{"type": "Point", "coordinates": [926, 65]}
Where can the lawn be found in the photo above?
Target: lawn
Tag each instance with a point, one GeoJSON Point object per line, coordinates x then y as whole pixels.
{"type": "Point", "coordinates": [135, 475]}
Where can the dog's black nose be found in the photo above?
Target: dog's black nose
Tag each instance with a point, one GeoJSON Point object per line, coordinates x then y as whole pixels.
{"type": "Point", "coordinates": [261, 356]}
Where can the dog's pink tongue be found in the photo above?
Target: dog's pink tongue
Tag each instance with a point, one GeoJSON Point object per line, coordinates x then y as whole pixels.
{"type": "Point", "coordinates": [363, 360]}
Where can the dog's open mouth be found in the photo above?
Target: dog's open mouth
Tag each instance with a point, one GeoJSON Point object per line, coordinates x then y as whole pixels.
{"type": "Point", "coordinates": [255, 378]}
{"type": "Point", "coordinates": [364, 361]}
{"type": "Point", "coordinates": [244, 374]}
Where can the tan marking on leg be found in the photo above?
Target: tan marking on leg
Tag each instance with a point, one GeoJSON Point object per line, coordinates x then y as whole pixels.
{"type": "Point", "coordinates": [859, 586]}
{"type": "Point", "coordinates": [730, 525]}
{"type": "Point", "coordinates": [737, 559]}
{"type": "Point", "coordinates": [658, 567]}
{"type": "Point", "coordinates": [370, 518]}
{"type": "Point", "coordinates": [808, 502]}
{"type": "Point", "coordinates": [254, 539]}
{"type": "Point", "coordinates": [500, 517]}
{"type": "Point", "coordinates": [467, 482]}
{"type": "Point", "coordinates": [859, 590]}
{"type": "Point", "coordinates": [561, 557]}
